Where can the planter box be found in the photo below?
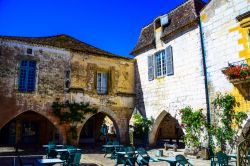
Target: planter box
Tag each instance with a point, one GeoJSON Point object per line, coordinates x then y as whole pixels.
{"type": "Point", "coordinates": [240, 80]}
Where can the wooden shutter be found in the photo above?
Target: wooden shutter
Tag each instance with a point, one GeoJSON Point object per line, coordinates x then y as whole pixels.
{"type": "Point", "coordinates": [104, 83]}
{"type": "Point", "coordinates": [170, 64]}
{"type": "Point", "coordinates": [150, 67]}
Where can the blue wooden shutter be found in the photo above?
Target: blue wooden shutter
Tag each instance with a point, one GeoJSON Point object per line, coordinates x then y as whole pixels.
{"type": "Point", "coordinates": [23, 76]}
{"type": "Point", "coordinates": [31, 82]}
{"type": "Point", "coordinates": [105, 82]}
{"type": "Point", "coordinates": [150, 67]}
{"type": "Point", "coordinates": [170, 64]}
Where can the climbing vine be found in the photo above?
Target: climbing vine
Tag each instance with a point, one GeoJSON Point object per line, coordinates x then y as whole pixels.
{"type": "Point", "coordinates": [226, 122]}
{"type": "Point", "coordinates": [71, 113]}
{"type": "Point", "coordinates": [141, 125]}
{"type": "Point", "coordinates": [194, 122]}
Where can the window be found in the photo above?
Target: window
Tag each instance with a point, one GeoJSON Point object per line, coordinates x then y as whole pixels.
{"type": "Point", "coordinates": [27, 76]}
{"type": "Point", "coordinates": [102, 83]}
{"type": "Point", "coordinates": [161, 64]}
{"type": "Point", "coordinates": [29, 51]}
{"type": "Point", "coordinates": [67, 80]}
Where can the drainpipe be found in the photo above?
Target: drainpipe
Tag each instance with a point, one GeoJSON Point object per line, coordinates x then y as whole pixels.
{"type": "Point", "coordinates": [205, 72]}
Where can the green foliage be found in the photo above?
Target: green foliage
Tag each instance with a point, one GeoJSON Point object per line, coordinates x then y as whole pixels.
{"type": "Point", "coordinates": [141, 125]}
{"type": "Point", "coordinates": [225, 118]}
{"type": "Point", "coordinates": [194, 123]}
{"type": "Point", "coordinates": [71, 113]}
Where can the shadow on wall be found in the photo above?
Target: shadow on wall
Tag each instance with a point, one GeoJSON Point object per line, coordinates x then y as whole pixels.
{"type": "Point", "coordinates": [139, 102]}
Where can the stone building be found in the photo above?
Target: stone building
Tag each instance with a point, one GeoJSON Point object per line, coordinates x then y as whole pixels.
{"type": "Point", "coordinates": [225, 28]}
{"type": "Point", "coordinates": [169, 69]}
{"type": "Point", "coordinates": [36, 71]}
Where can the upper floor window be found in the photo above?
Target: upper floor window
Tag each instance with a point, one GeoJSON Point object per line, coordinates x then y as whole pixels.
{"type": "Point", "coordinates": [27, 76]}
{"type": "Point", "coordinates": [161, 64]}
{"type": "Point", "coordinates": [102, 83]}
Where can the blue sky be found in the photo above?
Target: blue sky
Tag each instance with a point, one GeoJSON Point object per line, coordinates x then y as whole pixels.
{"type": "Point", "coordinates": [112, 25]}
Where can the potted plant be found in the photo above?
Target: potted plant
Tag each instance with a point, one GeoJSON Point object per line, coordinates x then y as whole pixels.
{"type": "Point", "coordinates": [237, 71]}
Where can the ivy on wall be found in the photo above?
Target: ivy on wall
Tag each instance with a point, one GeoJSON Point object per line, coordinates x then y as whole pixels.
{"type": "Point", "coordinates": [226, 123]}
{"type": "Point", "coordinates": [71, 113]}
{"type": "Point", "coordinates": [194, 123]}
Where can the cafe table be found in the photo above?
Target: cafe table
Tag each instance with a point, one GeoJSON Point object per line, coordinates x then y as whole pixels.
{"type": "Point", "coordinates": [129, 152]}
{"type": "Point", "coordinates": [171, 160]}
{"type": "Point", "coordinates": [65, 150]}
{"type": "Point", "coordinates": [233, 155]}
{"type": "Point", "coordinates": [49, 162]}
{"type": "Point", "coordinates": [58, 146]}
{"type": "Point", "coordinates": [109, 148]}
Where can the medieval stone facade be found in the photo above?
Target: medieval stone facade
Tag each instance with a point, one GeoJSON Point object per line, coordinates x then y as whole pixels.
{"type": "Point", "coordinates": [169, 69]}
{"type": "Point", "coordinates": [225, 26]}
{"type": "Point", "coordinates": [38, 71]}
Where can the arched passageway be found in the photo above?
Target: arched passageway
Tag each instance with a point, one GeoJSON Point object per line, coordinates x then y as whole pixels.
{"type": "Point", "coordinates": [28, 128]}
{"type": "Point", "coordinates": [245, 133]}
{"type": "Point", "coordinates": [98, 129]}
{"type": "Point", "coordinates": [166, 129]}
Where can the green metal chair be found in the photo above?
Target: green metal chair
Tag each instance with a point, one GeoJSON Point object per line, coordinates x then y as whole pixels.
{"type": "Point", "coordinates": [52, 154]}
{"type": "Point", "coordinates": [182, 161]}
{"type": "Point", "coordinates": [64, 156]}
{"type": "Point", "coordinates": [131, 156]}
{"type": "Point", "coordinates": [223, 159]}
{"type": "Point", "coordinates": [108, 150]}
{"type": "Point", "coordinates": [143, 158]}
{"type": "Point", "coordinates": [213, 157]}
{"type": "Point", "coordinates": [75, 160]}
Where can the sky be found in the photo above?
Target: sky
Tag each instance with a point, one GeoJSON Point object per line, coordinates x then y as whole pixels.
{"type": "Point", "coordinates": [112, 25]}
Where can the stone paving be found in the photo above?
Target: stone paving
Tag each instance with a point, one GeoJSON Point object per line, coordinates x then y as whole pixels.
{"type": "Point", "coordinates": [91, 158]}
{"type": "Point", "coordinates": [99, 159]}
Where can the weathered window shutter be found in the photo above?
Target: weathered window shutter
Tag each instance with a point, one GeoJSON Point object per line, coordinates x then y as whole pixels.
{"type": "Point", "coordinates": [170, 64]}
{"type": "Point", "coordinates": [150, 67]}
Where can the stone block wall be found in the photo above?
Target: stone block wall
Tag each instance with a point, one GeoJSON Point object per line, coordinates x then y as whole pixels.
{"type": "Point", "coordinates": [226, 41]}
{"type": "Point", "coordinates": [169, 94]}
{"type": "Point", "coordinates": [184, 88]}
{"type": "Point", "coordinates": [52, 63]}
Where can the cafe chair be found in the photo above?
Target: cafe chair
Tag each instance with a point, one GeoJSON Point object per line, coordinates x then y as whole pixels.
{"type": "Point", "coordinates": [131, 156]}
{"type": "Point", "coordinates": [108, 150]}
{"type": "Point", "coordinates": [76, 160]}
{"type": "Point", "coordinates": [213, 157]}
{"type": "Point", "coordinates": [52, 154]}
{"type": "Point", "coordinates": [182, 161]}
{"type": "Point", "coordinates": [143, 158]}
{"type": "Point", "coordinates": [64, 157]}
{"type": "Point", "coordinates": [222, 159]}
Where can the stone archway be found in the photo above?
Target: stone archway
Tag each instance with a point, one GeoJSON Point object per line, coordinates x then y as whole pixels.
{"type": "Point", "coordinates": [245, 133]}
{"type": "Point", "coordinates": [165, 126]}
{"type": "Point", "coordinates": [29, 127]}
{"type": "Point", "coordinates": [112, 116]}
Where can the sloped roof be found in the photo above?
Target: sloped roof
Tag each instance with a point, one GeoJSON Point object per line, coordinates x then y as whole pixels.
{"type": "Point", "coordinates": [182, 17]}
{"type": "Point", "coordinates": [63, 41]}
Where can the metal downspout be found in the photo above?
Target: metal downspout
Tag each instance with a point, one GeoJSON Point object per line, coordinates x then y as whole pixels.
{"type": "Point", "coordinates": [205, 72]}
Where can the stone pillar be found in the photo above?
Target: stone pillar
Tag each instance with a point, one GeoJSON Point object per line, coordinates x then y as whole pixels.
{"type": "Point", "coordinates": [123, 130]}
